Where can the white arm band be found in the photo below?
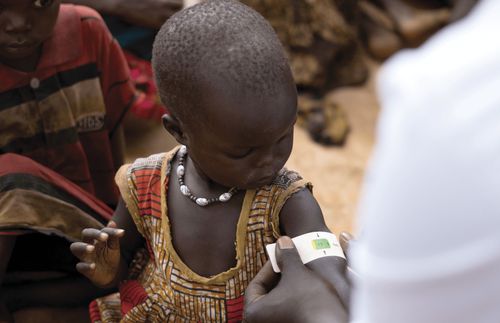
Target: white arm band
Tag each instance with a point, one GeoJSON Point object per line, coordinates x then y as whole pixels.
{"type": "Point", "coordinates": [311, 246]}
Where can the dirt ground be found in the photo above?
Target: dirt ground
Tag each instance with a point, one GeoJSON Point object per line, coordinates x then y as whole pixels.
{"type": "Point", "coordinates": [335, 172]}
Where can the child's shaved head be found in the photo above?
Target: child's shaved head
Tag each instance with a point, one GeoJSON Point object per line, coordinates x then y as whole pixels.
{"type": "Point", "coordinates": [217, 43]}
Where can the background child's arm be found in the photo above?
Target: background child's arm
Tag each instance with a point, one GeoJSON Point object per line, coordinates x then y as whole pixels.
{"type": "Point", "coordinates": [105, 254]}
{"type": "Point", "coordinates": [302, 214]}
{"type": "Point", "coordinates": [118, 147]}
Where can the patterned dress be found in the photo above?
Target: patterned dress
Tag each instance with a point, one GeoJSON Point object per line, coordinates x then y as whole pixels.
{"type": "Point", "coordinates": [162, 288]}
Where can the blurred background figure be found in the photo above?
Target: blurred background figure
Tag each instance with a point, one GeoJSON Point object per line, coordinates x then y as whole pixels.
{"type": "Point", "coordinates": [330, 43]}
{"type": "Point", "coordinates": [320, 38]}
{"type": "Point", "coordinates": [325, 41]}
{"type": "Point", "coordinates": [389, 25]}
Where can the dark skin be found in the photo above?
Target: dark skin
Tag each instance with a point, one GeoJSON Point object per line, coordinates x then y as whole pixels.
{"type": "Point", "coordinates": [460, 8]}
{"type": "Point", "coordinates": [24, 26]}
{"type": "Point", "coordinates": [309, 299]}
{"type": "Point", "coordinates": [247, 153]}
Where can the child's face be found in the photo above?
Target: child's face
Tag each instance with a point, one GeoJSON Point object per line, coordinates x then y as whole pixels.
{"type": "Point", "coordinates": [244, 143]}
{"type": "Point", "coordinates": [24, 26]}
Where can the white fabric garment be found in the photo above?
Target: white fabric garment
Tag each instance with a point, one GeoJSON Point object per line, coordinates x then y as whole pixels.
{"type": "Point", "coordinates": [429, 249]}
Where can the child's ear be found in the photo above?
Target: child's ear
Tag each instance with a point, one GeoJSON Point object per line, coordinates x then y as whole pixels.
{"type": "Point", "coordinates": [173, 126]}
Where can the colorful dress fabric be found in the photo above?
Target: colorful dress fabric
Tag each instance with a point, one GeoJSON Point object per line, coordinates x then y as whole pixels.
{"type": "Point", "coordinates": [163, 288]}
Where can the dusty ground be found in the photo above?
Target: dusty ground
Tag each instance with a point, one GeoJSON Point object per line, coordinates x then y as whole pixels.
{"type": "Point", "coordinates": [335, 172]}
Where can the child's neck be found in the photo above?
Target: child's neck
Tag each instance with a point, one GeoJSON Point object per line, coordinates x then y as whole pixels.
{"type": "Point", "coordinates": [202, 181]}
{"type": "Point", "coordinates": [27, 64]}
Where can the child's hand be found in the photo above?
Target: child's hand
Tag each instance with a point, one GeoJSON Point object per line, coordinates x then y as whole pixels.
{"type": "Point", "coordinates": [99, 253]}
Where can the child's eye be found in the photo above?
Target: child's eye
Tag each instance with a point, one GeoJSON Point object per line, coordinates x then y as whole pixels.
{"type": "Point", "coordinates": [42, 3]}
{"type": "Point", "coordinates": [242, 155]}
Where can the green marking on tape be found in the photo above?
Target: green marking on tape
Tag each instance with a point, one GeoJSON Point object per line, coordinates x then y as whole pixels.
{"type": "Point", "coordinates": [319, 244]}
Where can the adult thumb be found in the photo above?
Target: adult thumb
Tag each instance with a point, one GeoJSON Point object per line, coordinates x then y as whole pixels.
{"type": "Point", "coordinates": [287, 255]}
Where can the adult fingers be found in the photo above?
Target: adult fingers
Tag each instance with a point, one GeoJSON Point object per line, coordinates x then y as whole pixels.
{"type": "Point", "coordinates": [91, 235]}
{"type": "Point", "coordinates": [287, 256]}
{"type": "Point", "coordinates": [345, 239]}
{"type": "Point", "coordinates": [82, 251]}
{"type": "Point", "coordinates": [114, 236]}
{"type": "Point", "coordinates": [261, 284]}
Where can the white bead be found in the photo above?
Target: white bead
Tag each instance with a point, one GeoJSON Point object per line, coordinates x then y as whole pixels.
{"type": "Point", "coordinates": [201, 201]}
{"type": "Point", "coordinates": [35, 83]}
{"type": "Point", "coordinates": [183, 150]}
{"type": "Point", "coordinates": [225, 197]}
{"type": "Point", "coordinates": [180, 171]}
{"type": "Point", "coordinates": [185, 190]}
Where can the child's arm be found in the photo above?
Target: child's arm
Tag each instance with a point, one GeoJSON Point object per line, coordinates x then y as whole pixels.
{"type": "Point", "coordinates": [302, 214]}
{"type": "Point", "coordinates": [105, 254]}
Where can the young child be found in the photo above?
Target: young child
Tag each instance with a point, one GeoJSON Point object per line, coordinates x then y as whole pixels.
{"type": "Point", "coordinates": [64, 89]}
{"type": "Point", "coordinates": [206, 210]}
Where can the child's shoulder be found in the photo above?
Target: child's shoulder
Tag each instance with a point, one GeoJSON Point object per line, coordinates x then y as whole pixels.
{"type": "Point", "coordinates": [153, 163]}
{"type": "Point", "coordinates": [142, 170]}
{"type": "Point", "coordinates": [142, 163]}
{"type": "Point", "coordinates": [287, 178]}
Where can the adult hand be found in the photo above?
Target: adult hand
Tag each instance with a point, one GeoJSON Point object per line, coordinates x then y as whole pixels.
{"type": "Point", "coordinates": [346, 239]}
{"type": "Point", "coordinates": [297, 296]}
{"type": "Point", "coordinates": [146, 13]}
{"type": "Point", "coordinates": [460, 8]}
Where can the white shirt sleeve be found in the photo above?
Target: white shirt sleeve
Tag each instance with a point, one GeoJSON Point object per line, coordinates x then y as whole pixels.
{"type": "Point", "coordinates": [429, 248]}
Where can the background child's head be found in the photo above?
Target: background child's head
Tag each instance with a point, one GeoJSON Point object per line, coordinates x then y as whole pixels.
{"type": "Point", "coordinates": [24, 26]}
{"type": "Point", "coordinates": [223, 74]}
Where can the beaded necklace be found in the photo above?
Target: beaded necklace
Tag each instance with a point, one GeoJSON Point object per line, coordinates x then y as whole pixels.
{"type": "Point", "coordinates": [201, 201]}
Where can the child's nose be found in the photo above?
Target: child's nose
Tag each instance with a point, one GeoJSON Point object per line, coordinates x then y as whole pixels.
{"type": "Point", "coordinates": [18, 23]}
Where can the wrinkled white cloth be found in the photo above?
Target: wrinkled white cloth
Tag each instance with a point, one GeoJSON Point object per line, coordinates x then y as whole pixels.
{"type": "Point", "coordinates": [429, 249]}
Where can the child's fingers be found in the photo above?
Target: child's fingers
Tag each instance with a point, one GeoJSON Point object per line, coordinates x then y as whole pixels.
{"type": "Point", "coordinates": [90, 235]}
{"type": "Point", "coordinates": [112, 224]}
{"type": "Point", "coordinates": [114, 237]}
{"type": "Point", "coordinates": [86, 269]}
{"type": "Point", "coordinates": [82, 251]}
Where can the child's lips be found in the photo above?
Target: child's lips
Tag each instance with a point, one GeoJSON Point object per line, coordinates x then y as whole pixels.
{"type": "Point", "coordinates": [20, 46]}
